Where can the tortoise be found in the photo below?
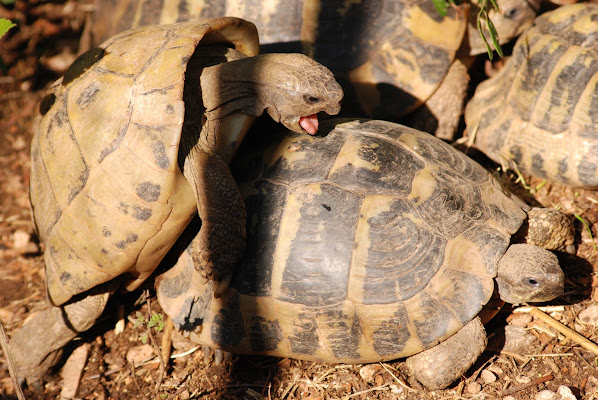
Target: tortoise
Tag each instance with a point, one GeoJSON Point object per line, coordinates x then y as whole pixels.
{"type": "Point", "coordinates": [391, 56]}
{"type": "Point", "coordinates": [134, 140]}
{"type": "Point", "coordinates": [538, 114]}
{"type": "Point", "coordinates": [372, 243]}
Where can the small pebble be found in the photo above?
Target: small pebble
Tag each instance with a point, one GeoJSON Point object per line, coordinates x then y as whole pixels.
{"type": "Point", "coordinates": [488, 376]}
{"type": "Point", "coordinates": [509, 398]}
{"type": "Point", "coordinates": [563, 393]}
{"type": "Point", "coordinates": [589, 315]}
{"type": "Point", "coordinates": [474, 388]}
{"type": "Point", "coordinates": [395, 389]}
{"type": "Point", "coordinates": [547, 395]}
{"type": "Point", "coordinates": [518, 340]}
{"type": "Point", "coordinates": [138, 354]}
{"type": "Point", "coordinates": [367, 372]}
{"type": "Point", "coordinates": [566, 393]}
{"type": "Point", "coordinates": [520, 319]}
{"type": "Point", "coordinates": [20, 240]}
{"type": "Point", "coordinates": [523, 379]}
{"type": "Point", "coordinates": [496, 369]}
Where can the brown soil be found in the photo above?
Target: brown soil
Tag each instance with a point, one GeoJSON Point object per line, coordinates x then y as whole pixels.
{"type": "Point", "coordinates": [35, 54]}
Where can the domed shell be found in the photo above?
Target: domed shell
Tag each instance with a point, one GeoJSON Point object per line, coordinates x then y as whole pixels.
{"type": "Point", "coordinates": [373, 243]}
{"type": "Point", "coordinates": [107, 192]}
{"type": "Point", "coordinates": [540, 112]}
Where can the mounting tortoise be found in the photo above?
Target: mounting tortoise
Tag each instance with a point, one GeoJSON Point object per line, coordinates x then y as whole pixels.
{"type": "Point", "coordinates": [133, 142]}
{"type": "Point", "coordinates": [391, 56]}
{"type": "Point", "coordinates": [373, 243]}
{"type": "Point", "coordinates": [540, 112]}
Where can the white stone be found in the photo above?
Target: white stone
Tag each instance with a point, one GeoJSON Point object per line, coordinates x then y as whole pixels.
{"type": "Point", "coordinates": [589, 316]}
{"type": "Point", "coordinates": [566, 393]}
{"type": "Point", "coordinates": [547, 395]}
{"type": "Point", "coordinates": [488, 376]}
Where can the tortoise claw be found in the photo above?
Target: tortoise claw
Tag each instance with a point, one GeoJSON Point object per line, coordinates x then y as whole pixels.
{"type": "Point", "coordinates": [220, 287]}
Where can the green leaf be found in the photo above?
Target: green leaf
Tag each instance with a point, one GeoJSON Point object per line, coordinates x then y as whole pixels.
{"type": "Point", "coordinates": [441, 6]}
{"type": "Point", "coordinates": [5, 25]}
{"type": "Point", "coordinates": [156, 321]}
{"type": "Point", "coordinates": [7, 2]}
{"type": "Point", "coordinates": [494, 36]}
{"type": "Point", "coordinates": [481, 31]}
{"type": "Point", "coordinates": [144, 338]}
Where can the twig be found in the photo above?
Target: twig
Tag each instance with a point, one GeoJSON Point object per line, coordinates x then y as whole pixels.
{"type": "Point", "coordinates": [157, 350]}
{"type": "Point", "coordinates": [397, 379]}
{"type": "Point", "coordinates": [568, 332]}
{"type": "Point", "coordinates": [11, 365]}
{"type": "Point", "coordinates": [167, 339]}
{"type": "Point", "coordinates": [377, 388]}
{"type": "Point", "coordinates": [546, 309]}
{"type": "Point", "coordinates": [533, 382]}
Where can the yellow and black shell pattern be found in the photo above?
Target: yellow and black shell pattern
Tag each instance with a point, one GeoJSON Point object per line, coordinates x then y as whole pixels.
{"type": "Point", "coordinates": [390, 55]}
{"type": "Point", "coordinates": [372, 243]}
{"type": "Point", "coordinates": [107, 191]}
{"type": "Point", "coordinates": [540, 112]}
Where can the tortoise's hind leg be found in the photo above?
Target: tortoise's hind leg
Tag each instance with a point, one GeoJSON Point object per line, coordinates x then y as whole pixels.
{"type": "Point", "coordinates": [439, 366]}
{"type": "Point", "coordinates": [37, 345]}
{"type": "Point", "coordinates": [441, 112]}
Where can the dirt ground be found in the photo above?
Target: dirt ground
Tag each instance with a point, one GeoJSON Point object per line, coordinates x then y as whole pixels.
{"type": "Point", "coordinates": [31, 57]}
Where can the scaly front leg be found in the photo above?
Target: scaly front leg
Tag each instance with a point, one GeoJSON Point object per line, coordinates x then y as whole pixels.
{"type": "Point", "coordinates": [221, 240]}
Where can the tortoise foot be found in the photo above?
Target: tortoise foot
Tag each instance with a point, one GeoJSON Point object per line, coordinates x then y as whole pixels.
{"type": "Point", "coordinates": [550, 229]}
{"type": "Point", "coordinates": [441, 365]}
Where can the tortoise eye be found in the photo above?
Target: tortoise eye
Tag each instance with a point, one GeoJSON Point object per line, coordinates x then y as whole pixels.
{"type": "Point", "coordinates": [532, 282]}
{"type": "Point", "coordinates": [311, 99]}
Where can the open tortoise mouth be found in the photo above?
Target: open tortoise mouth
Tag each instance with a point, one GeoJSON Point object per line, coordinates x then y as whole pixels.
{"type": "Point", "coordinates": [309, 124]}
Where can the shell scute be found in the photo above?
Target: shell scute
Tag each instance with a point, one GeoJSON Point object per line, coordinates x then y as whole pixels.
{"type": "Point", "coordinates": [305, 224]}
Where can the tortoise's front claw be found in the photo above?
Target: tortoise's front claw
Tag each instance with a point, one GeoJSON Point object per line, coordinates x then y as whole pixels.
{"type": "Point", "coordinates": [219, 355]}
{"type": "Point", "coordinates": [221, 286]}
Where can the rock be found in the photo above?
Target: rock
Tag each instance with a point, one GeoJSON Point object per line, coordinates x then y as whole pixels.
{"type": "Point", "coordinates": [367, 372]}
{"type": "Point", "coordinates": [589, 316]}
{"type": "Point", "coordinates": [547, 395]}
{"type": "Point", "coordinates": [474, 388]}
{"type": "Point", "coordinates": [563, 393]}
{"type": "Point", "coordinates": [566, 393]}
{"type": "Point", "coordinates": [518, 340]}
{"type": "Point", "coordinates": [520, 319]}
{"type": "Point", "coordinates": [488, 376]}
{"type": "Point", "coordinates": [138, 354]}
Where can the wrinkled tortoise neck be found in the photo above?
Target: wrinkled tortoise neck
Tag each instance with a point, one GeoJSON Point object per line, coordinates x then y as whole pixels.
{"type": "Point", "coordinates": [236, 86]}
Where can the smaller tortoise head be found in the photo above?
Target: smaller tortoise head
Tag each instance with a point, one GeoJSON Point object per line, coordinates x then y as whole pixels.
{"type": "Point", "coordinates": [514, 17]}
{"type": "Point", "coordinates": [292, 88]}
{"type": "Point", "coordinates": [528, 273]}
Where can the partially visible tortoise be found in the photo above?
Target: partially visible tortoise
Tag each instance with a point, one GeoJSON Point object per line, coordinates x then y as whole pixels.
{"type": "Point", "coordinates": [373, 243]}
{"type": "Point", "coordinates": [540, 112]}
{"type": "Point", "coordinates": [392, 56]}
{"type": "Point", "coordinates": [133, 142]}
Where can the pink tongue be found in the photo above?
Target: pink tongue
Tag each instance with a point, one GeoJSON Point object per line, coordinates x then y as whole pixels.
{"type": "Point", "coordinates": [309, 123]}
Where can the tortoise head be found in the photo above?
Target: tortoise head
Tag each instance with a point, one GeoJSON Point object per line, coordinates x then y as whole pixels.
{"type": "Point", "coordinates": [528, 273]}
{"type": "Point", "coordinates": [514, 17]}
{"type": "Point", "coordinates": [292, 88]}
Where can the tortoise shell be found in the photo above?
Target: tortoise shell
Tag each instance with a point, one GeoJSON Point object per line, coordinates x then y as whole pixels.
{"type": "Point", "coordinates": [107, 192]}
{"type": "Point", "coordinates": [372, 243]}
{"type": "Point", "coordinates": [540, 112]}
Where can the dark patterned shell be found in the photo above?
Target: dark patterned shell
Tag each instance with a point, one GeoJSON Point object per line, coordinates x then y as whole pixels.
{"type": "Point", "coordinates": [372, 243]}
{"type": "Point", "coordinates": [107, 193]}
{"type": "Point", "coordinates": [395, 52]}
{"type": "Point", "coordinates": [540, 112]}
